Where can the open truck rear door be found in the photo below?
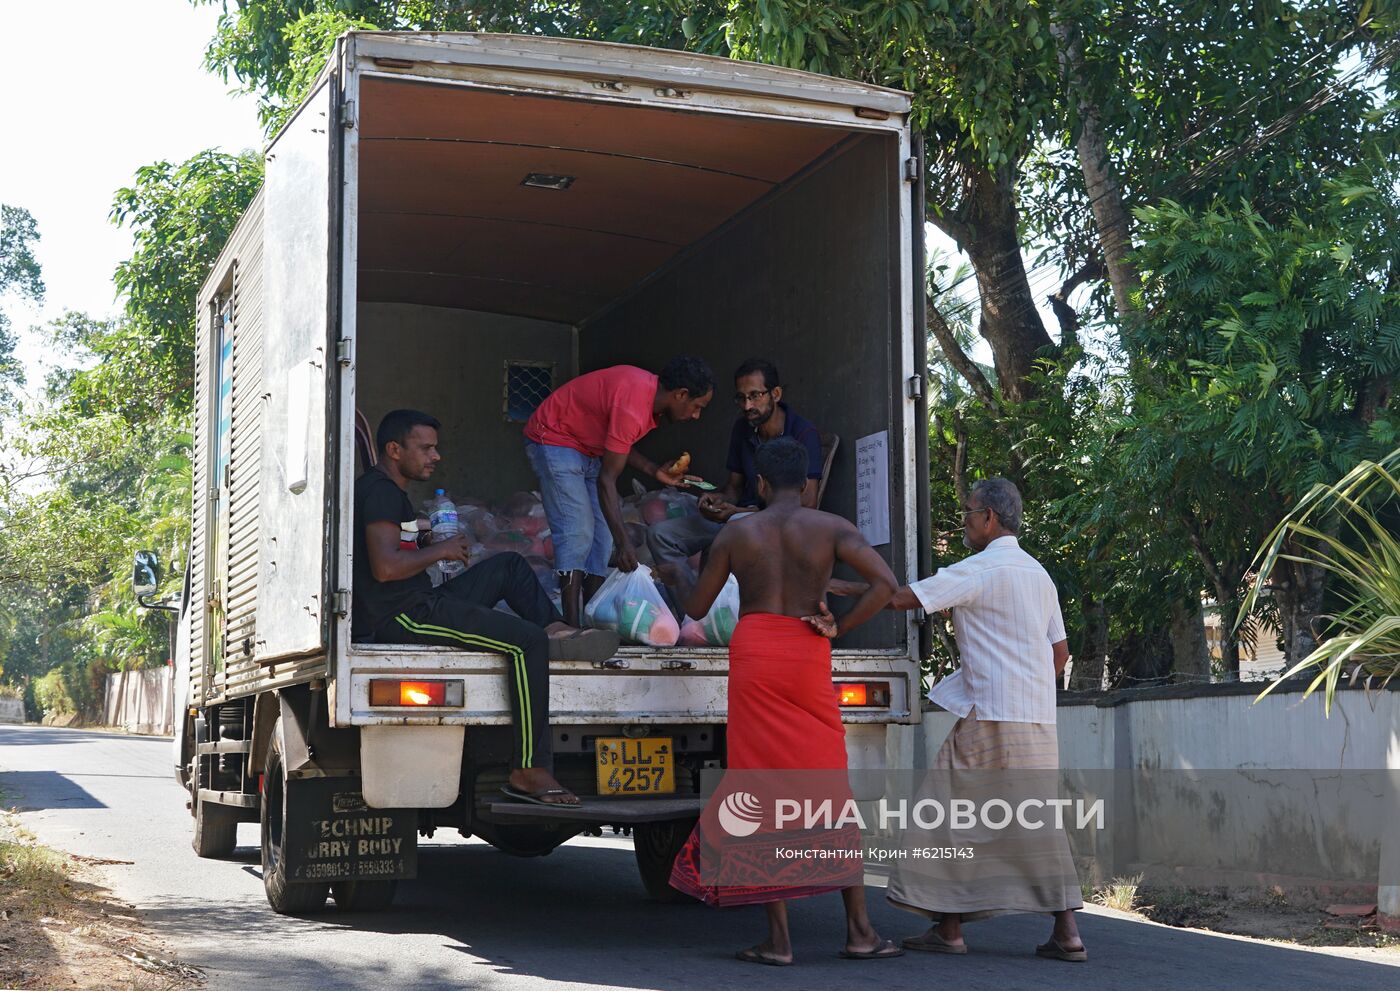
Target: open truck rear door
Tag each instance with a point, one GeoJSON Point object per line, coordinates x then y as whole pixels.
{"type": "Point", "coordinates": [302, 259]}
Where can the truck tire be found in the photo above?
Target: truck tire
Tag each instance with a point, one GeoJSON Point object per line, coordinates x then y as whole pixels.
{"type": "Point", "coordinates": [285, 896]}
{"type": "Point", "coordinates": [524, 840]}
{"type": "Point", "coordinates": [656, 845]}
{"type": "Point", "coordinates": [215, 828]}
{"type": "Point", "coordinates": [363, 896]}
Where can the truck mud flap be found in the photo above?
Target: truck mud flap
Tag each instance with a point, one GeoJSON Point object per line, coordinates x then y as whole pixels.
{"type": "Point", "coordinates": [332, 835]}
{"type": "Point", "coordinates": [599, 811]}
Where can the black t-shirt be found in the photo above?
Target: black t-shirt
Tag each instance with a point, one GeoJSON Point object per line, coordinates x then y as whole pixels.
{"type": "Point", "coordinates": [378, 498]}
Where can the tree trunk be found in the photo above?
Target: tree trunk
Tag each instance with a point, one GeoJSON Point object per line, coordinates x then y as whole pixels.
{"type": "Point", "coordinates": [986, 227]}
{"type": "Point", "coordinates": [1105, 196]}
{"type": "Point", "coordinates": [1300, 604]}
{"type": "Point", "coordinates": [1190, 651]}
{"type": "Point", "coordinates": [1229, 636]}
{"type": "Point", "coordinates": [1087, 674]}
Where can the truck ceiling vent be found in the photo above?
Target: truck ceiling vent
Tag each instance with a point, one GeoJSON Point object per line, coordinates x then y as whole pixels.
{"type": "Point", "coordinates": [546, 180]}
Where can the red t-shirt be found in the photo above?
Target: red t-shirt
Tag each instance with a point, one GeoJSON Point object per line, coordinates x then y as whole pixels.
{"type": "Point", "coordinates": [606, 410]}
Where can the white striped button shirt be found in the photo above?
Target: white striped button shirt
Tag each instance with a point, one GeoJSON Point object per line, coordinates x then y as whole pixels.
{"type": "Point", "coordinates": [1006, 615]}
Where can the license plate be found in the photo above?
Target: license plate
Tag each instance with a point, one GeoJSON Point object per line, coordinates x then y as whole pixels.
{"type": "Point", "coordinates": [636, 767]}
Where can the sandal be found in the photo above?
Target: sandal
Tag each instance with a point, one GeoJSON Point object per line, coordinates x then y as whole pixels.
{"type": "Point", "coordinates": [584, 645]}
{"type": "Point", "coordinates": [538, 797]}
{"type": "Point", "coordinates": [1054, 951]}
{"type": "Point", "coordinates": [884, 951]}
{"type": "Point", "coordinates": [931, 942]}
{"type": "Point", "coordinates": [754, 955]}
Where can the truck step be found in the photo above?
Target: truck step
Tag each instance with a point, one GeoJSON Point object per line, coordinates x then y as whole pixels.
{"type": "Point", "coordinates": [226, 747]}
{"type": "Point", "coordinates": [598, 811]}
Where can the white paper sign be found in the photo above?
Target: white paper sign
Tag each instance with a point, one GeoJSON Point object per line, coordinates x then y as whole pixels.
{"type": "Point", "coordinates": [300, 381]}
{"type": "Point", "coordinates": [873, 487]}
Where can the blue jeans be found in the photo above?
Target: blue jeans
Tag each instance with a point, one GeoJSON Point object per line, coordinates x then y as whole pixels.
{"type": "Point", "coordinates": [569, 488]}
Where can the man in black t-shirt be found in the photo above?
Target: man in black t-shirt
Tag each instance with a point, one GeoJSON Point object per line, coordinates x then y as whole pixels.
{"type": "Point", "coordinates": [763, 416]}
{"type": "Point", "coordinates": [395, 601]}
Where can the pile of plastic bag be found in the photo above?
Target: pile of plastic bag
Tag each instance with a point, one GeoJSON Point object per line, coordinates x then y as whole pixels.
{"type": "Point", "coordinates": [641, 615]}
{"type": "Point", "coordinates": [519, 524]}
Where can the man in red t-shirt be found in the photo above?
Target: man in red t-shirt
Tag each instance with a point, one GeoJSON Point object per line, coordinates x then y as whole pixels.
{"type": "Point", "coordinates": [579, 440]}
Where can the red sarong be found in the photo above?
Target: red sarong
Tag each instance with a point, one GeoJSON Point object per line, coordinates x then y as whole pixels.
{"type": "Point", "coordinates": [783, 715]}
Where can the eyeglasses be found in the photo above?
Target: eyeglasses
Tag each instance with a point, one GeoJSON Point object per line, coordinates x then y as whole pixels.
{"type": "Point", "coordinates": [740, 398]}
{"type": "Point", "coordinates": [980, 509]}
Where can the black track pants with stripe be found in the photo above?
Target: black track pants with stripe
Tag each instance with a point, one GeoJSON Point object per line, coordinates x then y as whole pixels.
{"type": "Point", "coordinates": [459, 613]}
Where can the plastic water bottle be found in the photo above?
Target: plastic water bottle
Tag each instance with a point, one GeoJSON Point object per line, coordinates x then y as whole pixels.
{"type": "Point", "coordinates": [443, 517]}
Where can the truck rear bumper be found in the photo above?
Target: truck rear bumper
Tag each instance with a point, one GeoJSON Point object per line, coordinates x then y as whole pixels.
{"type": "Point", "coordinates": [599, 811]}
{"type": "Point", "coordinates": [640, 685]}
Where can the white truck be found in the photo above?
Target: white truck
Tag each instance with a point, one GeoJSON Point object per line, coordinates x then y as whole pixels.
{"type": "Point", "coordinates": [459, 223]}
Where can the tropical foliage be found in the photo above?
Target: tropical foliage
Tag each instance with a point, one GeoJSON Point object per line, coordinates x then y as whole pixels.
{"type": "Point", "coordinates": [1173, 309]}
{"type": "Point", "coordinates": [1350, 530]}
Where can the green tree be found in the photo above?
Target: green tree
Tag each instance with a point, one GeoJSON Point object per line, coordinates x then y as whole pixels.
{"type": "Point", "coordinates": [180, 216]}
{"type": "Point", "coordinates": [1053, 129]}
{"type": "Point", "coordinates": [1276, 352]}
{"type": "Point", "coordinates": [20, 276]}
{"type": "Point", "coordinates": [103, 458]}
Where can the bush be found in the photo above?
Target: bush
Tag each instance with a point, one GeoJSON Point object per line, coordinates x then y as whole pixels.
{"type": "Point", "coordinates": [51, 696]}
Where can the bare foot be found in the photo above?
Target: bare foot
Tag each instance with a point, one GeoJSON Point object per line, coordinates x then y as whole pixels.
{"type": "Point", "coordinates": [537, 782]}
{"type": "Point", "coordinates": [560, 630]}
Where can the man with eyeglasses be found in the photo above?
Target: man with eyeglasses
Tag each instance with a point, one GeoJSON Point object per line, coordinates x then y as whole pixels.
{"type": "Point", "coordinates": [1012, 650]}
{"type": "Point", "coordinates": [758, 393]}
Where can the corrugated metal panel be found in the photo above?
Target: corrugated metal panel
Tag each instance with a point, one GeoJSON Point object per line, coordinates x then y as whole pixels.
{"type": "Point", "coordinates": [244, 496]}
{"type": "Point", "coordinates": [238, 274]}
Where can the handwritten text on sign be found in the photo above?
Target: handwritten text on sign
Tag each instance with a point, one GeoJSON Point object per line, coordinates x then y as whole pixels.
{"type": "Point", "coordinates": [873, 487]}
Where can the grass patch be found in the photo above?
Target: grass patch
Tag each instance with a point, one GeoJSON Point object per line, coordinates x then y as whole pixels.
{"type": "Point", "coordinates": [56, 930]}
{"type": "Point", "coordinates": [33, 878]}
{"type": "Point", "coordinates": [1120, 894]}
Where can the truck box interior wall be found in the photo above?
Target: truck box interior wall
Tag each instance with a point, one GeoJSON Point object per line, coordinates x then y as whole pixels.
{"type": "Point", "coordinates": [760, 236]}
{"type": "Point", "coordinates": [806, 280]}
{"type": "Point", "coordinates": [451, 363]}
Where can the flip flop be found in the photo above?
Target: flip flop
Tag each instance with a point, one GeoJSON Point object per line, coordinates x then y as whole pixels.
{"type": "Point", "coordinates": [931, 942]}
{"type": "Point", "coordinates": [1054, 951]}
{"type": "Point", "coordinates": [752, 955]}
{"type": "Point", "coordinates": [884, 951]}
{"type": "Point", "coordinates": [584, 645]}
{"type": "Point", "coordinates": [538, 797]}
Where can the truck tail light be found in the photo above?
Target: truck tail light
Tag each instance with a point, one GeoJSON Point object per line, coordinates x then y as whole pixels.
{"type": "Point", "coordinates": [384, 691]}
{"type": "Point", "coordinates": [863, 694]}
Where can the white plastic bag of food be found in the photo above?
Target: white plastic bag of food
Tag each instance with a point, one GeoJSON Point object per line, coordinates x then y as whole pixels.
{"type": "Point", "coordinates": [631, 604]}
{"type": "Point", "coordinates": [716, 627]}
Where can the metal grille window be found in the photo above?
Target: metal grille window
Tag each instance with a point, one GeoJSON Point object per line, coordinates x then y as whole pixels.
{"type": "Point", "coordinates": [527, 383]}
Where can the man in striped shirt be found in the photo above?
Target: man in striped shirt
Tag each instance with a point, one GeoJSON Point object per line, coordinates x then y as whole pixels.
{"type": "Point", "coordinates": [1011, 641]}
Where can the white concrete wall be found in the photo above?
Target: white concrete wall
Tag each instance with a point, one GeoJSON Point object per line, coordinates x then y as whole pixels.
{"type": "Point", "coordinates": [11, 711]}
{"type": "Point", "coordinates": [140, 701]}
{"type": "Point", "coordinates": [1233, 731]}
{"type": "Point", "coordinates": [1262, 826]}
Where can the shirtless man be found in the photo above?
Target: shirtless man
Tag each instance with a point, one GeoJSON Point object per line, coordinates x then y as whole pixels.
{"type": "Point", "coordinates": [782, 707]}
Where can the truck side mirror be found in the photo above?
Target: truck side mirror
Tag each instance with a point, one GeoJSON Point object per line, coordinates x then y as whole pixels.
{"type": "Point", "coordinates": [145, 574]}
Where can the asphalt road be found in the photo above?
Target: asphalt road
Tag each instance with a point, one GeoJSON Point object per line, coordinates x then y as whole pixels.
{"type": "Point", "coordinates": [480, 919]}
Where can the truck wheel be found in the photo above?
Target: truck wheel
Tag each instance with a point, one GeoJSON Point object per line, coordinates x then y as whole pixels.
{"type": "Point", "coordinates": [285, 896]}
{"type": "Point", "coordinates": [524, 840]}
{"type": "Point", "coordinates": [215, 828]}
{"type": "Point", "coordinates": [656, 845]}
{"type": "Point", "coordinates": [363, 896]}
